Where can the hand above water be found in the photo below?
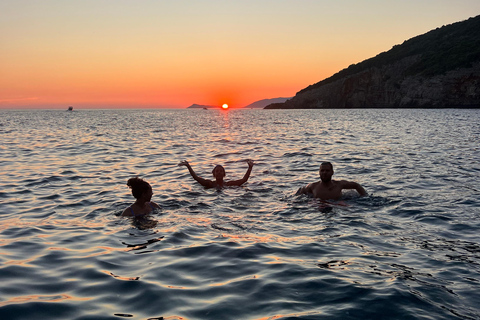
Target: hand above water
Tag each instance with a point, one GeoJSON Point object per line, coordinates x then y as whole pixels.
{"type": "Point", "coordinates": [250, 162]}
{"type": "Point", "coordinates": [184, 163]}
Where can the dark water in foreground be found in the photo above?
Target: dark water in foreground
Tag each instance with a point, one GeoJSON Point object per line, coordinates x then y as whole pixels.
{"type": "Point", "coordinates": [410, 250]}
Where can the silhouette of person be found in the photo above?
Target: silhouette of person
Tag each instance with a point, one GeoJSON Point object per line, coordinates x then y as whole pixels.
{"type": "Point", "coordinates": [142, 191]}
{"type": "Point", "coordinates": [218, 173]}
{"type": "Point", "coordinates": [328, 189]}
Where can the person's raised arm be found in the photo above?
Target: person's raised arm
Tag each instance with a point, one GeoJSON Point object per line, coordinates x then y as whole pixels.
{"type": "Point", "coordinates": [203, 182]}
{"type": "Point", "coordinates": [245, 177]}
{"type": "Point", "coordinates": [354, 185]}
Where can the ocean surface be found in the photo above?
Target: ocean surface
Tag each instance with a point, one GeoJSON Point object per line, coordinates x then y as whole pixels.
{"type": "Point", "coordinates": [409, 250]}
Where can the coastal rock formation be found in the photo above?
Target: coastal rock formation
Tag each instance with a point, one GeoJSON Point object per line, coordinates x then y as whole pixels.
{"type": "Point", "coordinates": [201, 106]}
{"type": "Point", "coordinates": [265, 102]}
{"type": "Point", "coordinates": [440, 69]}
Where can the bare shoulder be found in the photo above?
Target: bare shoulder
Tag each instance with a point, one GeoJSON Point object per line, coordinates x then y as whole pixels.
{"type": "Point", "coordinates": [127, 212]}
{"type": "Point", "coordinates": [347, 184]}
{"type": "Point", "coordinates": [205, 182]}
{"type": "Point", "coordinates": [313, 185]}
{"type": "Point", "coordinates": [309, 188]}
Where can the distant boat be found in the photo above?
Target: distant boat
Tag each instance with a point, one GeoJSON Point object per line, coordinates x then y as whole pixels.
{"type": "Point", "coordinates": [70, 108]}
{"type": "Point", "coordinates": [205, 108]}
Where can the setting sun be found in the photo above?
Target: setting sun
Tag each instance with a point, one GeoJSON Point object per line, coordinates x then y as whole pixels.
{"type": "Point", "coordinates": [225, 106]}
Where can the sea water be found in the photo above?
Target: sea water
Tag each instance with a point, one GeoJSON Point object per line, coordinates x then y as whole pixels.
{"type": "Point", "coordinates": [409, 250]}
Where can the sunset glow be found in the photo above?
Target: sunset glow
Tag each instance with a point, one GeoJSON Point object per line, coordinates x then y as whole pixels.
{"type": "Point", "coordinates": [165, 54]}
{"type": "Point", "coordinates": [225, 106]}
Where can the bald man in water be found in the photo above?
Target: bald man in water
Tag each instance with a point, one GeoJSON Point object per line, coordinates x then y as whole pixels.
{"type": "Point", "coordinates": [328, 189]}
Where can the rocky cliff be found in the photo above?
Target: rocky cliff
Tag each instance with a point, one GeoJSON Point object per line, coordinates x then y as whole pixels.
{"type": "Point", "coordinates": [265, 102]}
{"type": "Point", "coordinates": [440, 69]}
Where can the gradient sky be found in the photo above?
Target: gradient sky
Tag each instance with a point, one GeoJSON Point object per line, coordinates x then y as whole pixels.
{"type": "Point", "coordinates": [171, 54]}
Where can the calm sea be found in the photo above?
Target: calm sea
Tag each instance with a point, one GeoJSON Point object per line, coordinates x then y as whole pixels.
{"type": "Point", "coordinates": [410, 250]}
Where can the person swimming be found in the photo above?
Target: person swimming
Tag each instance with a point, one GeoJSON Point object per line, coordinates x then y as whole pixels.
{"type": "Point", "coordinates": [142, 191]}
{"type": "Point", "coordinates": [219, 173]}
{"type": "Point", "coordinates": [328, 189]}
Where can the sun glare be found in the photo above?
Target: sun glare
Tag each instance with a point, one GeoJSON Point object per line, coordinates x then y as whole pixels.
{"type": "Point", "coordinates": [225, 106]}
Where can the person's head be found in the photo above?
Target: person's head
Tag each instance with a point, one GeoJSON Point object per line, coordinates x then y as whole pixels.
{"type": "Point", "coordinates": [141, 189]}
{"type": "Point", "coordinates": [326, 171]}
{"type": "Point", "coordinates": [218, 172]}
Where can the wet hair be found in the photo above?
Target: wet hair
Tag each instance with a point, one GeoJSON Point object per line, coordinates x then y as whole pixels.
{"type": "Point", "coordinates": [224, 173]}
{"type": "Point", "coordinates": [138, 186]}
{"type": "Point", "coordinates": [326, 163]}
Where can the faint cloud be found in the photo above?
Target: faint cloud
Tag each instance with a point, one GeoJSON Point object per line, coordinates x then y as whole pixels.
{"type": "Point", "coordinates": [17, 100]}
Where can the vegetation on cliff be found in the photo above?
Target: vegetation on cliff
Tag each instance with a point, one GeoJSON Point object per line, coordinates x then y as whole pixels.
{"type": "Point", "coordinates": [428, 56]}
{"type": "Point", "coordinates": [443, 49]}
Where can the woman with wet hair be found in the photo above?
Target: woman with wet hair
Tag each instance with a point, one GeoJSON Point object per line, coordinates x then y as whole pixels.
{"type": "Point", "coordinates": [142, 191]}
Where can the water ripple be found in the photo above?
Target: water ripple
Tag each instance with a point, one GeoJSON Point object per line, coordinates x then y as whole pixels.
{"type": "Point", "coordinates": [410, 250]}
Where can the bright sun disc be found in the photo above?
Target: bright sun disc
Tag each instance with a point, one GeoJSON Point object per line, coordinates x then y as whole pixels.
{"type": "Point", "coordinates": [225, 106]}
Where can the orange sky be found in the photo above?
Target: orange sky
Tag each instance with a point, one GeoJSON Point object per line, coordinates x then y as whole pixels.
{"type": "Point", "coordinates": [171, 54]}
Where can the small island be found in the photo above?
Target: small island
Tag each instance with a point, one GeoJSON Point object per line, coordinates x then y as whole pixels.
{"type": "Point", "coordinates": [201, 106]}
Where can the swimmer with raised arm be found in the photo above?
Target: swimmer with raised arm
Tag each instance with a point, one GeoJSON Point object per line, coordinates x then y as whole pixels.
{"type": "Point", "coordinates": [328, 189]}
{"type": "Point", "coordinates": [218, 173]}
{"type": "Point", "coordinates": [142, 191]}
